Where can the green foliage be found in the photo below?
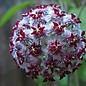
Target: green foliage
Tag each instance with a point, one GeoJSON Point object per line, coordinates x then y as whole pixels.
{"type": "Point", "coordinates": [40, 82]}
{"type": "Point", "coordinates": [13, 10]}
{"type": "Point", "coordinates": [82, 71]}
{"type": "Point", "coordinates": [62, 82]}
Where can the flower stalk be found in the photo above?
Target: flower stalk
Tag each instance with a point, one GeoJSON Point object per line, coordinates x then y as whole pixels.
{"type": "Point", "coordinates": [75, 76]}
{"type": "Point", "coordinates": [69, 80]}
{"type": "Point", "coordinates": [82, 8]}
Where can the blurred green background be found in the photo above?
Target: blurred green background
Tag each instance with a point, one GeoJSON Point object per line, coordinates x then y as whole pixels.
{"type": "Point", "coordinates": [10, 11]}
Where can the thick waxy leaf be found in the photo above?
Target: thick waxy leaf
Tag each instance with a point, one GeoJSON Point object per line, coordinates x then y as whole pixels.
{"type": "Point", "coordinates": [13, 10]}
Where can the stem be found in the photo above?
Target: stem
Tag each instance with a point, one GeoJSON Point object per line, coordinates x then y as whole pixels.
{"type": "Point", "coordinates": [75, 76]}
{"type": "Point", "coordinates": [69, 80]}
{"type": "Point", "coordinates": [50, 84]}
{"type": "Point", "coordinates": [82, 7]}
{"type": "Point", "coordinates": [61, 3]}
{"type": "Point", "coordinates": [54, 83]}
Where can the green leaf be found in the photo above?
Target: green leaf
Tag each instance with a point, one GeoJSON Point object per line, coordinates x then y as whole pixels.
{"type": "Point", "coordinates": [82, 71]}
{"type": "Point", "coordinates": [13, 10]}
{"type": "Point", "coordinates": [40, 82]}
{"type": "Point", "coordinates": [62, 82]}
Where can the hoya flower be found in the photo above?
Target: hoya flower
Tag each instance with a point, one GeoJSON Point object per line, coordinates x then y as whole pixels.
{"type": "Point", "coordinates": [47, 42]}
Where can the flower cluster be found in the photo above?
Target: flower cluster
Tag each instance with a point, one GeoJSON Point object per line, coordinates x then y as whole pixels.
{"type": "Point", "coordinates": [47, 42]}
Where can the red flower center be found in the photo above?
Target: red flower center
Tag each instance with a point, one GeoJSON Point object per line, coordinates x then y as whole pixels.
{"type": "Point", "coordinates": [58, 28]}
{"type": "Point", "coordinates": [55, 47]}
{"type": "Point", "coordinates": [39, 31]}
{"type": "Point", "coordinates": [35, 50]}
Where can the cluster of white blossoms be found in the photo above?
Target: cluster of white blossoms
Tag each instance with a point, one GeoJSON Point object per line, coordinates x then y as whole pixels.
{"type": "Point", "coordinates": [47, 42]}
